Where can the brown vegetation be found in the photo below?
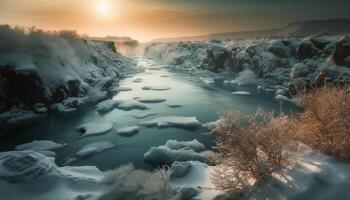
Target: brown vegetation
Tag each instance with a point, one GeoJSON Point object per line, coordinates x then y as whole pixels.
{"type": "Point", "coordinates": [325, 122]}
{"type": "Point", "coordinates": [249, 152]}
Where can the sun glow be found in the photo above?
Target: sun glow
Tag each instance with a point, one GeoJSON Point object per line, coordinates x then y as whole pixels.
{"type": "Point", "coordinates": [103, 7]}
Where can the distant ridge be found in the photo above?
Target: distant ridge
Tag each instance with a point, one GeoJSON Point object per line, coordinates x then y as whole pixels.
{"type": "Point", "coordinates": [302, 28]}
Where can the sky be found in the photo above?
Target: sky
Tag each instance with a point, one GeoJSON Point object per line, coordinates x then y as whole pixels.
{"type": "Point", "coordinates": [145, 20]}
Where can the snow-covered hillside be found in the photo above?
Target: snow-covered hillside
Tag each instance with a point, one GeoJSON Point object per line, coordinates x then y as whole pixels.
{"type": "Point", "coordinates": [290, 63]}
{"type": "Point", "coordinates": [38, 69]}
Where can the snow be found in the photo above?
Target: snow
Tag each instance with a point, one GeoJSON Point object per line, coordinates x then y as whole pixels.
{"type": "Point", "coordinates": [93, 148]}
{"type": "Point", "coordinates": [31, 175]}
{"type": "Point", "coordinates": [150, 100]}
{"type": "Point", "coordinates": [174, 150]}
{"type": "Point", "coordinates": [212, 125]}
{"type": "Point", "coordinates": [241, 93]}
{"type": "Point", "coordinates": [128, 131]}
{"type": "Point", "coordinates": [172, 121]}
{"type": "Point", "coordinates": [95, 128]}
{"type": "Point", "coordinates": [131, 105]}
{"type": "Point", "coordinates": [198, 176]}
{"type": "Point", "coordinates": [106, 106]}
{"type": "Point", "coordinates": [160, 88]}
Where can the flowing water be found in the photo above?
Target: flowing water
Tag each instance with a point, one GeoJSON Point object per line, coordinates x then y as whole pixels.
{"type": "Point", "coordinates": [195, 98]}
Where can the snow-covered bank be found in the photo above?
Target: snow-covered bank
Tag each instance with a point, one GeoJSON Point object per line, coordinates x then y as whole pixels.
{"type": "Point", "coordinates": [38, 69]}
{"type": "Point", "coordinates": [293, 63]}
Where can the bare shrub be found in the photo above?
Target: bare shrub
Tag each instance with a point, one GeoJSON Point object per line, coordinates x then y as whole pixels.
{"type": "Point", "coordinates": [325, 122]}
{"type": "Point", "coordinates": [249, 148]}
{"type": "Point", "coordinates": [130, 183]}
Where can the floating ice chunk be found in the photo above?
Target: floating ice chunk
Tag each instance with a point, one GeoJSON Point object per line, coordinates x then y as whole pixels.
{"type": "Point", "coordinates": [154, 68]}
{"type": "Point", "coordinates": [128, 131]}
{"type": "Point", "coordinates": [122, 89]}
{"type": "Point", "coordinates": [92, 148]}
{"type": "Point", "coordinates": [150, 100]}
{"type": "Point", "coordinates": [23, 118]}
{"type": "Point", "coordinates": [194, 145]}
{"type": "Point", "coordinates": [131, 104]}
{"type": "Point", "coordinates": [165, 76]}
{"type": "Point", "coordinates": [241, 93]}
{"type": "Point", "coordinates": [92, 128]}
{"type": "Point", "coordinates": [160, 88]}
{"type": "Point", "coordinates": [39, 145]}
{"type": "Point", "coordinates": [174, 105]}
{"type": "Point", "coordinates": [137, 80]}
{"type": "Point", "coordinates": [212, 125]}
{"type": "Point", "coordinates": [144, 115]}
{"type": "Point", "coordinates": [171, 152]}
{"type": "Point", "coordinates": [172, 121]}
{"type": "Point", "coordinates": [106, 106]}
{"type": "Point", "coordinates": [282, 98]}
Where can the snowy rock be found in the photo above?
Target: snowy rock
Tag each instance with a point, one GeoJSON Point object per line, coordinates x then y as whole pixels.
{"type": "Point", "coordinates": [282, 98]}
{"type": "Point", "coordinates": [306, 50]}
{"type": "Point", "coordinates": [121, 89]}
{"type": "Point", "coordinates": [175, 150]}
{"type": "Point", "coordinates": [22, 118]}
{"type": "Point", "coordinates": [279, 49]}
{"type": "Point", "coordinates": [41, 179]}
{"type": "Point", "coordinates": [106, 106]}
{"type": "Point", "coordinates": [281, 91]}
{"type": "Point", "coordinates": [179, 169]}
{"type": "Point", "coordinates": [172, 121]}
{"type": "Point", "coordinates": [93, 148]}
{"type": "Point", "coordinates": [150, 100]}
{"type": "Point", "coordinates": [131, 105]}
{"type": "Point", "coordinates": [212, 125]}
{"type": "Point", "coordinates": [128, 131]}
{"type": "Point", "coordinates": [160, 88]}
{"type": "Point", "coordinates": [342, 51]}
{"type": "Point", "coordinates": [241, 93]}
{"type": "Point", "coordinates": [92, 128]}
{"type": "Point", "coordinates": [299, 70]}
{"type": "Point", "coordinates": [39, 108]}
{"type": "Point", "coordinates": [39, 145]}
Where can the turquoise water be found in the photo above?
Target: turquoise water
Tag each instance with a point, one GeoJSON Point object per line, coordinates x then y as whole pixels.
{"type": "Point", "coordinates": [196, 98]}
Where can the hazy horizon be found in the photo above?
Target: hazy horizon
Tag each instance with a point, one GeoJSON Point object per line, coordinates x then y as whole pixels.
{"type": "Point", "coordinates": [145, 20]}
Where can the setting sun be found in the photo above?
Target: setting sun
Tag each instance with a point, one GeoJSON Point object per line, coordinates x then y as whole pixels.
{"type": "Point", "coordinates": [103, 8]}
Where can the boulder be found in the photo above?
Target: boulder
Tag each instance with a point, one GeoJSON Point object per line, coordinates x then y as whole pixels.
{"type": "Point", "coordinates": [299, 70]}
{"type": "Point", "coordinates": [279, 49]}
{"type": "Point", "coordinates": [341, 51]}
{"type": "Point", "coordinates": [306, 50]}
{"type": "Point", "coordinates": [218, 58]}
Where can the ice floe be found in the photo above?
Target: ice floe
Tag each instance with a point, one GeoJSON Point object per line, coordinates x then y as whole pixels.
{"type": "Point", "coordinates": [128, 131]}
{"type": "Point", "coordinates": [95, 128]}
{"type": "Point", "coordinates": [143, 115]}
{"type": "Point", "coordinates": [172, 121]}
{"type": "Point", "coordinates": [93, 148]}
{"type": "Point", "coordinates": [173, 105]}
{"type": "Point", "coordinates": [131, 105]}
{"type": "Point", "coordinates": [121, 89]}
{"type": "Point", "coordinates": [150, 100]}
{"type": "Point", "coordinates": [39, 145]}
{"type": "Point", "coordinates": [241, 93]}
{"type": "Point", "coordinates": [137, 80]}
{"type": "Point", "coordinates": [160, 88]}
{"type": "Point", "coordinates": [174, 150]}
{"type": "Point", "coordinates": [106, 106]}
